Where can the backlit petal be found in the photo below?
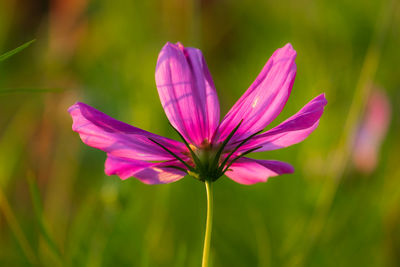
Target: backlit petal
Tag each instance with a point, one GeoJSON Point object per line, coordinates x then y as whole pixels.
{"type": "Point", "coordinates": [147, 172]}
{"type": "Point", "coordinates": [99, 130]}
{"type": "Point", "coordinates": [293, 130]}
{"type": "Point", "coordinates": [187, 92]}
{"type": "Point", "coordinates": [250, 171]}
{"type": "Point", "coordinates": [265, 98]}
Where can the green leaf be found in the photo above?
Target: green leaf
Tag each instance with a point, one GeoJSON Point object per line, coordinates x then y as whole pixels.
{"type": "Point", "coordinates": [16, 50]}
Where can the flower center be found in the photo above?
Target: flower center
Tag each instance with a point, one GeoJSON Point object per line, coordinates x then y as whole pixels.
{"type": "Point", "coordinates": [205, 161]}
{"type": "Point", "coordinates": [210, 161]}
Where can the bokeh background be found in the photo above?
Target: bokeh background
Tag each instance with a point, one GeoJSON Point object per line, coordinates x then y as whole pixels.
{"type": "Point", "coordinates": [341, 207]}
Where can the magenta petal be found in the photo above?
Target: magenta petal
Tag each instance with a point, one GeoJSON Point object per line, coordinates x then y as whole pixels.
{"type": "Point", "coordinates": [250, 171]}
{"type": "Point", "coordinates": [123, 167]}
{"type": "Point", "coordinates": [99, 130]}
{"type": "Point", "coordinates": [187, 92]}
{"type": "Point", "coordinates": [147, 172]}
{"type": "Point", "coordinates": [293, 130]}
{"type": "Point", "coordinates": [265, 98]}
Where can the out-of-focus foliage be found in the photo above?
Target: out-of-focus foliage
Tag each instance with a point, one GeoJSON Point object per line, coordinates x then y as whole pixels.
{"type": "Point", "coordinates": [57, 207]}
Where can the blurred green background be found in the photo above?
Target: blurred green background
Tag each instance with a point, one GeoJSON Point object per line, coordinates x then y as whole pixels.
{"type": "Point", "coordinates": [58, 208]}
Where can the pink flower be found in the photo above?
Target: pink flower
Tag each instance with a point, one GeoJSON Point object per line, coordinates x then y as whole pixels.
{"type": "Point", "coordinates": [210, 148]}
{"type": "Point", "coordinates": [371, 131]}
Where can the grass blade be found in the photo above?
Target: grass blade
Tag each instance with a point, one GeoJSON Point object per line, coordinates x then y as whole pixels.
{"type": "Point", "coordinates": [16, 50]}
{"type": "Point", "coordinates": [38, 209]}
{"type": "Point", "coordinates": [16, 228]}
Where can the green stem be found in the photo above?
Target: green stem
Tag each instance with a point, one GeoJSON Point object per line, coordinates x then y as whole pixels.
{"type": "Point", "coordinates": [207, 237]}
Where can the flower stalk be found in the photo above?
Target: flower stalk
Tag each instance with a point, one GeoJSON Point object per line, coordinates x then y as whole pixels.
{"type": "Point", "coordinates": [207, 236]}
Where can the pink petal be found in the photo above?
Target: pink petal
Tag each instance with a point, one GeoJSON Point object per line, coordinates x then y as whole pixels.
{"type": "Point", "coordinates": [187, 92]}
{"type": "Point", "coordinates": [147, 172]}
{"type": "Point", "coordinates": [123, 167]}
{"type": "Point", "coordinates": [250, 171]}
{"type": "Point", "coordinates": [293, 130]}
{"type": "Point", "coordinates": [99, 130]}
{"type": "Point", "coordinates": [265, 98]}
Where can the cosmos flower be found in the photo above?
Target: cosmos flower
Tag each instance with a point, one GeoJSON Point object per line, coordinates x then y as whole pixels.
{"type": "Point", "coordinates": [371, 132]}
{"type": "Point", "coordinates": [209, 148]}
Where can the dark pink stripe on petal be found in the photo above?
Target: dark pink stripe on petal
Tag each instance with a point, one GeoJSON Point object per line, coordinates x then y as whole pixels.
{"type": "Point", "coordinates": [265, 98]}
{"type": "Point", "coordinates": [250, 171]}
{"type": "Point", "coordinates": [123, 167]}
{"type": "Point", "coordinates": [293, 130]}
{"type": "Point", "coordinates": [187, 92]}
{"type": "Point", "coordinates": [99, 130]}
{"type": "Point", "coordinates": [277, 167]}
{"type": "Point", "coordinates": [146, 172]}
